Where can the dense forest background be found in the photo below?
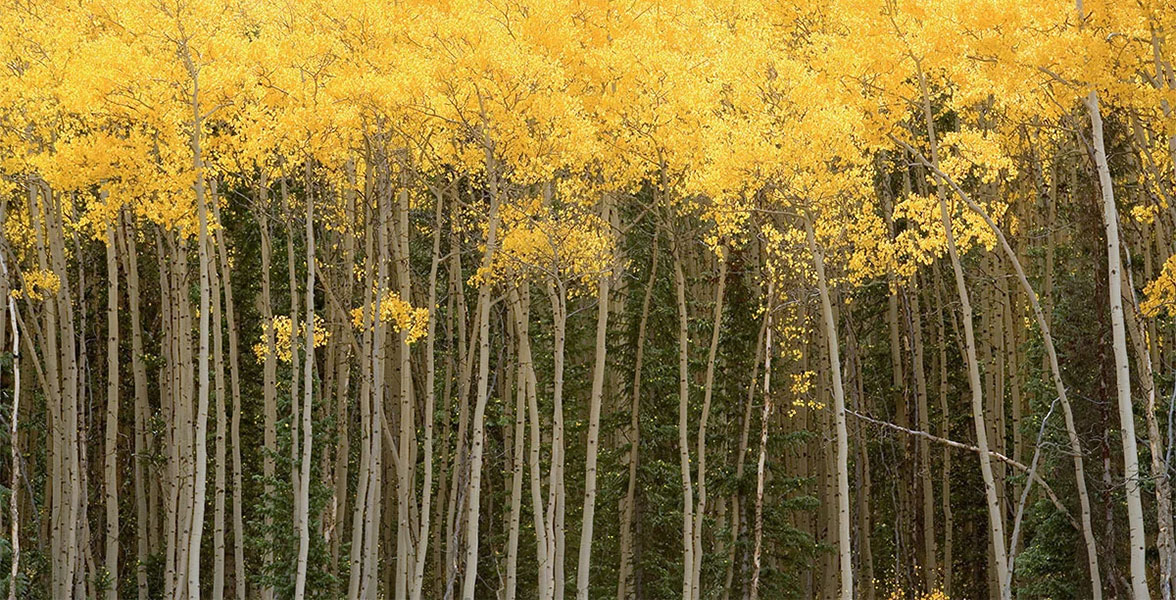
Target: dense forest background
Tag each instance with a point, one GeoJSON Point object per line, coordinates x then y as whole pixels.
{"type": "Point", "coordinates": [575, 298]}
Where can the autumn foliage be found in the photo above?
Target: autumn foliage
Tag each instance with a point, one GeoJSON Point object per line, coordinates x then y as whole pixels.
{"type": "Point", "coordinates": [543, 298]}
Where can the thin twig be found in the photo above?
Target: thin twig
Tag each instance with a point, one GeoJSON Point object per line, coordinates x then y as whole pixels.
{"type": "Point", "coordinates": [962, 446]}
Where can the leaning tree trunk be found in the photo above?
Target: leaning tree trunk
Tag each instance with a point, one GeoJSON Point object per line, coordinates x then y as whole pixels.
{"type": "Point", "coordinates": [841, 436]}
{"type": "Point", "coordinates": [1042, 319]}
{"type": "Point", "coordinates": [995, 518]}
{"type": "Point", "coordinates": [1138, 542]}
{"type": "Point", "coordinates": [600, 364]}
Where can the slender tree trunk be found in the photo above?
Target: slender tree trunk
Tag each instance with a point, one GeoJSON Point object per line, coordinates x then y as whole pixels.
{"type": "Point", "coordinates": [598, 369]}
{"type": "Point", "coordinates": [143, 504]}
{"type": "Point", "coordinates": [626, 542]}
{"type": "Point", "coordinates": [944, 432]}
{"type": "Point", "coordinates": [757, 553]}
{"type": "Point", "coordinates": [841, 436]}
{"type": "Point", "coordinates": [995, 517]}
{"type": "Point", "coordinates": [14, 426]}
{"type": "Point", "coordinates": [269, 370]}
{"type": "Point", "coordinates": [239, 576]}
{"type": "Point", "coordinates": [516, 485]}
{"type": "Point", "coordinates": [359, 542]}
{"type": "Point", "coordinates": [295, 325]}
{"type": "Point", "coordinates": [483, 392]}
{"type": "Point", "coordinates": [405, 550]}
{"type": "Point", "coordinates": [864, 487]}
{"type": "Point", "coordinates": [168, 395]}
{"type": "Point", "coordinates": [201, 425]}
{"type": "Point", "coordinates": [903, 523]}
{"type": "Point", "coordinates": [1139, 588]}
{"type": "Point", "coordinates": [218, 354]}
{"type": "Point", "coordinates": [69, 489]}
{"type": "Point", "coordinates": [557, 487]}
{"type": "Point", "coordinates": [930, 554]}
{"type": "Point", "coordinates": [708, 391]}
{"type": "Point", "coordinates": [430, 401]}
{"type": "Point", "coordinates": [110, 478]}
{"type": "Point", "coordinates": [1159, 472]}
{"type": "Point", "coordinates": [683, 425]}
{"type": "Point", "coordinates": [303, 490]}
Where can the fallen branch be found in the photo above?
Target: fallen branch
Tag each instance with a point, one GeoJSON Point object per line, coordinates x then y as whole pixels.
{"type": "Point", "coordinates": [962, 446]}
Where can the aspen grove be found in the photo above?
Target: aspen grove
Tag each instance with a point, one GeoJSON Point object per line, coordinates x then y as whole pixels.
{"type": "Point", "coordinates": [555, 299]}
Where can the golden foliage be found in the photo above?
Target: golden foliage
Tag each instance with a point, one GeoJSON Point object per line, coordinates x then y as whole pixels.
{"type": "Point", "coordinates": [284, 334]}
{"type": "Point", "coordinates": [38, 285]}
{"type": "Point", "coordinates": [390, 308]}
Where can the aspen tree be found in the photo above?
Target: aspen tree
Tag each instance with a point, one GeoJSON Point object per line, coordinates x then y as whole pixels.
{"type": "Point", "coordinates": [405, 552]}
{"type": "Point", "coordinates": [930, 553]}
{"type": "Point", "coordinates": [683, 424]}
{"type": "Point", "coordinates": [201, 414]}
{"type": "Point", "coordinates": [478, 437]}
{"type": "Point", "coordinates": [996, 525]}
{"type": "Point", "coordinates": [220, 452]}
{"type": "Point", "coordinates": [235, 420]}
{"type": "Point", "coordinates": [303, 481]}
{"type": "Point", "coordinates": [270, 368]}
{"type": "Point", "coordinates": [14, 425]}
{"type": "Point", "coordinates": [516, 487]}
{"type": "Point", "coordinates": [708, 391]}
{"type": "Point", "coordinates": [1139, 586]}
{"type": "Point", "coordinates": [634, 432]}
{"type": "Point", "coordinates": [144, 504]}
{"type": "Point", "coordinates": [763, 450]}
{"type": "Point", "coordinates": [110, 453]}
{"type": "Point", "coordinates": [430, 401]}
{"type": "Point", "coordinates": [359, 532]}
{"type": "Point", "coordinates": [1139, 341]}
{"type": "Point", "coordinates": [841, 435]}
{"type": "Point", "coordinates": [598, 368]}
{"type": "Point", "coordinates": [945, 432]}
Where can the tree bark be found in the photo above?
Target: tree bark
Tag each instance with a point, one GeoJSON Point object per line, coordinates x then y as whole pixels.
{"type": "Point", "coordinates": [144, 506]}
{"type": "Point", "coordinates": [598, 369]}
{"type": "Point", "coordinates": [683, 425]}
{"type": "Point", "coordinates": [110, 454]}
{"type": "Point", "coordinates": [757, 553]}
{"type": "Point", "coordinates": [841, 435]}
{"type": "Point", "coordinates": [626, 542]}
{"type": "Point", "coordinates": [14, 425]}
{"type": "Point", "coordinates": [483, 392]}
{"type": "Point", "coordinates": [302, 515]}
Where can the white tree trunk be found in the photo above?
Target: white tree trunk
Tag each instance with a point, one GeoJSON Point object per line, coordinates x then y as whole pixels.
{"type": "Point", "coordinates": [1136, 532]}
{"type": "Point", "coordinates": [841, 436]}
